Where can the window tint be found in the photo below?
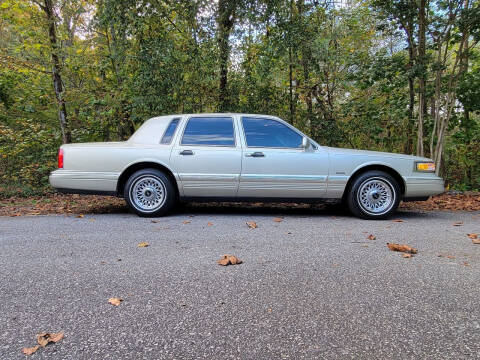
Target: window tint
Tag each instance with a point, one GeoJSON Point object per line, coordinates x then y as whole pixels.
{"type": "Point", "coordinates": [209, 131]}
{"type": "Point", "coordinates": [167, 137]}
{"type": "Point", "coordinates": [269, 133]}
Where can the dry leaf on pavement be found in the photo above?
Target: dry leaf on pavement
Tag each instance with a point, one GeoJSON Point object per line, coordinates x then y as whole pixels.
{"type": "Point", "coordinates": [186, 222]}
{"type": "Point", "coordinates": [252, 224]}
{"type": "Point", "coordinates": [209, 224]}
{"type": "Point", "coordinates": [476, 241]}
{"type": "Point", "coordinates": [402, 248]}
{"type": "Point", "coordinates": [80, 216]}
{"type": "Point", "coordinates": [398, 220]}
{"type": "Point", "coordinates": [143, 244]}
{"type": "Point", "coordinates": [458, 223]}
{"type": "Point", "coordinates": [30, 351]}
{"type": "Point", "coordinates": [229, 260]}
{"type": "Point", "coordinates": [407, 256]}
{"type": "Point", "coordinates": [44, 339]}
{"type": "Point", "coordinates": [278, 219]}
{"type": "Point", "coordinates": [371, 237]}
{"type": "Point", "coordinates": [115, 301]}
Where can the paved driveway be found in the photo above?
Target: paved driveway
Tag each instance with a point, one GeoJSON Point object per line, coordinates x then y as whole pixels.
{"type": "Point", "coordinates": [311, 286]}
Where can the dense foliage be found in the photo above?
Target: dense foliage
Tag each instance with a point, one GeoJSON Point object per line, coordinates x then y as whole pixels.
{"type": "Point", "coordinates": [401, 75]}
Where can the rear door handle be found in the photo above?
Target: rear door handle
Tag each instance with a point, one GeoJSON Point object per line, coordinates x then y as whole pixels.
{"type": "Point", "coordinates": [186, 152]}
{"type": "Point", "coordinates": [256, 154]}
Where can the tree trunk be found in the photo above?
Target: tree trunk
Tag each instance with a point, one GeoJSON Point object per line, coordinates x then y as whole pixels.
{"type": "Point", "coordinates": [56, 73]}
{"type": "Point", "coordinates": [411, 88]}
{"type": "Point", "coordinates": [225, 21]}
{"type": "Point", "coordinates": [422, 76]}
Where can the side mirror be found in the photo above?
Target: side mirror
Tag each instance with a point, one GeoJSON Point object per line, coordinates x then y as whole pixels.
{"type": "Point", "coordinates": [304, 143]}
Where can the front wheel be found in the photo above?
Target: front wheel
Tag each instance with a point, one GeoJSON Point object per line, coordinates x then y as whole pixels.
{"type": "Point", "coordinates": [149, 192]}
{"type": "Point", "coordinates": [374, 195]}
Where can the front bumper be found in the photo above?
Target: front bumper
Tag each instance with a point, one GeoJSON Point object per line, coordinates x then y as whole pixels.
{"type": "Point", "coordinates": [423, 186]}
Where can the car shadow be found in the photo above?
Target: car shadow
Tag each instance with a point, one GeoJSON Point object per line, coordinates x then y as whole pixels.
{"type": "Point", "coordinates": [277, 209]}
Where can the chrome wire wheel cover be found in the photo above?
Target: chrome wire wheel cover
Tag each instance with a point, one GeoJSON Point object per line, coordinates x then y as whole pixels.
{"type": "Point", "coordinates": [148, 193]}
{"type": "Point", "coordinates": [376, 196]}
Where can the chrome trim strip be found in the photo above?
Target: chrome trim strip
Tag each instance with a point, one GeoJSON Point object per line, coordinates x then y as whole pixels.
{"type": "Point", "coordinates": [84, 175]}
{"type": "Point", "coordinates": [338, 179]}
{"type": "Point", "coordinates": [290, 178]}
{"type": "Point", "coordinates": [208, 177]}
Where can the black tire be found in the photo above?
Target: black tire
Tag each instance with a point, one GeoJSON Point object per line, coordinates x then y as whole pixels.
{"type": "Point", "coordinates": [149, 184]}
{"type": "Point", "coordinates": [376, 188]}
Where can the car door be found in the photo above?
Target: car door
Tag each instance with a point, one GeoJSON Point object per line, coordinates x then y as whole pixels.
{"type": "Point", "coordinates": [207, 157]}
{"type": "Point", "coordinates": [275, 165]}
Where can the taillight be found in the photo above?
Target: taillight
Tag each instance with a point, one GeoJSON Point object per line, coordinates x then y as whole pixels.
{"type": "Point", "coordinates": [60, 158]}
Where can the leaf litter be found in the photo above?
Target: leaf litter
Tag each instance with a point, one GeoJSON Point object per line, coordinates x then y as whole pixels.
{"type": "Point", "coordinates": [229, 260]}
{"type": "Point", "coordinates": [43, 339]}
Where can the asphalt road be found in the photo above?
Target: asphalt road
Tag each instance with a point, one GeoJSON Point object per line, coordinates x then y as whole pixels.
{"type": "Point", "coordinates": [311, 286]}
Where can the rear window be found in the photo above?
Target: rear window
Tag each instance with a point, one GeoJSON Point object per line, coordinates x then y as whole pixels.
{"type": "Point", "coordinates": [168, 136]}
{"type": "Point", "coordinates": [210, 131]}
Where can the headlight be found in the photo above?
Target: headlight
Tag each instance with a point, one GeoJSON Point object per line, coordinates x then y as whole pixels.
{"type": "Point", "coordinates": [425, 166]}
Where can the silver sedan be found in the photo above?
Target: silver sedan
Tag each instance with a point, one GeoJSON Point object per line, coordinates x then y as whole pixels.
{"type": "Point", "coordinates": [240, 157]}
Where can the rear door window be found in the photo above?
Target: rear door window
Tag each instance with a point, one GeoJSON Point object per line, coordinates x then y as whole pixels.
{"type": "Point", "coordinates": [209, 131]}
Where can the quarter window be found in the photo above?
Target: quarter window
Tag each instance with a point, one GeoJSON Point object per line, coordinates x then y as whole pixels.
{"type": "Point", "coordinates": [213, 131]}
{"type": "Point", "coordinates": [269, 133]}
{"type": "Point", "coordinates": [167, 137]}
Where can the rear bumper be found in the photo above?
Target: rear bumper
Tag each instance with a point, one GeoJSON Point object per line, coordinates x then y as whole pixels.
{"type": "Point", "coordinates": [423, 186]}
{"type": "Point", "coordinates": [84, 182]}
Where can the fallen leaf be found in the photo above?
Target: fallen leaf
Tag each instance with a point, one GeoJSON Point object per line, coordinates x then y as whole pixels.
{"type": "Point", "coordinates": [209, 224]}
{"type": "Point", "coordinates": [229, 260]}
{"type": "Point", "coordinates": [398, 220]}
{"type": "Point", "coordinates": [103, 262]}
{"type": "Point", "coordinates": [465, 263]}
{"type": "Point", "coordinates": [186, 222]}
{"type": "Point", "coordinates": [143, 244]}
{"type": "Point", "coordinates": [80, 216]}
{"type": "Point", "coordinates": [407, 256]}
{"type": "Point", "coordinates": [115, 301]}
{"type": "Point", "coordinates": [450, 257]}
{"type": "Point", "coordinates": [458, 223]}
{"type": "Point", "coordinates": [371, 237]}
{"type": "Point", "coordinates": [44, 339]}
{"type": "Point", "coordinates": [155, 221]}
{"type": "Point", "coordinates": [30, 351]}
{"type": "Point", "coordinates": [402, 248]}
{"type": "Point", "coordinates": [476, 241]}
{"type": "Point", "coordinates": [473, 236]}
{"type": "Point", "coordinates": [277, 219]}
{"type": "Point", "coordinates": [252, 224]}
{"type": "Point", "coordinates": [288, 233]}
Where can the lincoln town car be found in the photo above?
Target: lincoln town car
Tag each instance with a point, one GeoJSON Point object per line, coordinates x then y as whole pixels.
{"type": "Point", "coordinates": [240, 157]}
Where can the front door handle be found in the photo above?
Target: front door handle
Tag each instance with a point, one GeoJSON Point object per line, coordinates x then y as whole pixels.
{"type": "Point", "coordinates": [256, 154]}
{"type": "Point", "coordinates": [186, 152]}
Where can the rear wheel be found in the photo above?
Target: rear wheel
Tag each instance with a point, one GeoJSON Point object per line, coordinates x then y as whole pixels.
{"type": "Point", "coordinates": [374, 195]}
{"type": "Point", "coordinates": [149, 192]}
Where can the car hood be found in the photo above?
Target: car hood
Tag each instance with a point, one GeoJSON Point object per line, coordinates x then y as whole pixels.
{"type": "Point", "coordinates": [353, 152]}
